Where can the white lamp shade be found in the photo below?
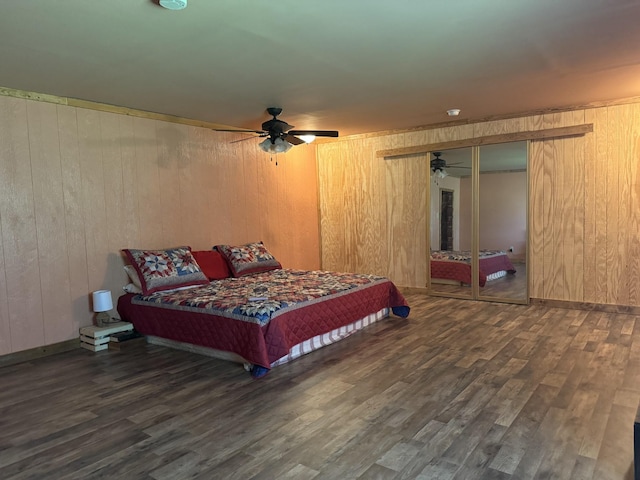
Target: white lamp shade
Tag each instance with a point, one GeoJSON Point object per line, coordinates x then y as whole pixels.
{"type": "Point", "coordinates": [102, 301]}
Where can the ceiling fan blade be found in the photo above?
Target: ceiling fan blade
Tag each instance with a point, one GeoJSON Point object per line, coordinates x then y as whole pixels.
{"type": "Point", "coordinates": [293, 140]}
{"type": "Point", "coordinates": [237, 130]}
{"type": "Point", "coordinates": [248, 138]}
{"type": "Point", "coordinates": [317, 133]}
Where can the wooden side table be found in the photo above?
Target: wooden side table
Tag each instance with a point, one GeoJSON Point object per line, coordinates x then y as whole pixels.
{"type": "Point", "coordinates": [97, 338]}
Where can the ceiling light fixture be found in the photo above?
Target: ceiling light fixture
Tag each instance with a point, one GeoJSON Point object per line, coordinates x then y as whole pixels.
{"type": "Point", "coordinates": [276, 146]}
{"type": "Point", "coordinates": [454, 112]}
{"type": "Point", "coordinates": [440, 173]}
{"type": "Point", "coordinates": [307, 138]}
{"type": "Point", "coordinates": [173, 4]}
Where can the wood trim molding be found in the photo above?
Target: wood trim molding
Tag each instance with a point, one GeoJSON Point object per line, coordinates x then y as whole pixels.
{"type": "Point", "coordinates": [38, 352]}
{"type": "Point", "coordinates": [597, 307]}
{"type": "Point", "coordinates": [489, 118]}
{"type": "Point", "coordinates": [105, 107]}
{"type": "Point", "coordinates": [572, 131]}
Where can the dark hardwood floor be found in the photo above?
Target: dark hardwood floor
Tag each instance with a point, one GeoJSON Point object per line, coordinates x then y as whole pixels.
{"type": "Point", "coordinates": [459, 390]}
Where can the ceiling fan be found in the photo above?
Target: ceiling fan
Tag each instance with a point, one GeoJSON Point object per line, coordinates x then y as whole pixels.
{"type": "Point", "coordinates": [281, 136]}
{"type": "Point", "coordinates": [438, 165]}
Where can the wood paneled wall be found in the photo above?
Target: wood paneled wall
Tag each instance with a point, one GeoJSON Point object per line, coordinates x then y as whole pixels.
{"type": "Point", "coordinates": [584, 205]}
{"type": "Point", "coordinates": [79, 185]}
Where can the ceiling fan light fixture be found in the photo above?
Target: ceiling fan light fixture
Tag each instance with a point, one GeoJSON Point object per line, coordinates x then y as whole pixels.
{"type": "Point", "coordinates": [173, 4]}
{"type": "Point", "coordinates": [265, 145]}
{"type": "Point", "coordinates": [440, 173]}
{"type": "Point", "coordinates": [276, 146]}
{"type": "Point", "coordinates": [307, 138]}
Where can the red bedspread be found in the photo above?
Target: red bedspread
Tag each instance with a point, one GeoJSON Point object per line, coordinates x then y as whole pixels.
{"type": "Point", "coordinates": [457, 265]}
{"type": "Point", "coordinates": [297, 306]}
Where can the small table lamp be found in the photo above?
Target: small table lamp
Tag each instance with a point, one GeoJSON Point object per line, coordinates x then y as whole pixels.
{"type": "Point", "coordinates": [102, 303]}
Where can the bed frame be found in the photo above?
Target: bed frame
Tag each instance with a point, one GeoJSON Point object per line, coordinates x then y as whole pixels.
{"type": "Point", "coordinates": [257, 340]}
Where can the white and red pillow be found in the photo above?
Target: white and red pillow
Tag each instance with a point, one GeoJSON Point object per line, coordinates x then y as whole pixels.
{"type": "Point", "coordinates": [249, 258]}
{"type": "Point", "coordinates": [166, 269]}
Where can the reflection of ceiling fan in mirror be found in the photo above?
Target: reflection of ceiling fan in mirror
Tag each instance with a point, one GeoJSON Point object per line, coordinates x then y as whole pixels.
{"type": "Point", "coordinates": [281, 136]}
{"type": "Point", "coordinates": [439, 165]}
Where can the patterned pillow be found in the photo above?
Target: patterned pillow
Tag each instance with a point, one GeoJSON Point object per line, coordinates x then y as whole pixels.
{"type": "Point", "coordinates": [166, 269]}
{"type": "Point", "coordinates": [249, 258]}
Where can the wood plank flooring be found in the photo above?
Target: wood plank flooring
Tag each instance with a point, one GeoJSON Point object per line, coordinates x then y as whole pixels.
{"type": "Point", "coordinates": [459, 390]}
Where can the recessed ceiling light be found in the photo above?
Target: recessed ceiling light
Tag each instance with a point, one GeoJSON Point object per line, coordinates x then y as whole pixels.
{"type": "Point", "coordinates": [173, 4]}
{"type": "Point", "coordinates": [454, 112]}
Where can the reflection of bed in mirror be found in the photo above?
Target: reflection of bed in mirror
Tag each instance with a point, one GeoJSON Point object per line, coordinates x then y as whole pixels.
{"type": "Point", "coordinates": [454, 267]}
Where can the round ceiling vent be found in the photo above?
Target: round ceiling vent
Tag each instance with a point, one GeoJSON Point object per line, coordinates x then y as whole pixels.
{"type": "Point", "coordinates": [173, 4]}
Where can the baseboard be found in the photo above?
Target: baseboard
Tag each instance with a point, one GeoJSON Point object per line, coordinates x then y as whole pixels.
{"type": "Point", "coordinates": [598, 307]}
{"type": "Point", "coordinates": [38, 352]}
{"type": "Point", "coordinates": [409, 290]}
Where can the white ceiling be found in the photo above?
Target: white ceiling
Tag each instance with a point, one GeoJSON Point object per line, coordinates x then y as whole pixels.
{"type": "Point", "coordinates": [356, 66]}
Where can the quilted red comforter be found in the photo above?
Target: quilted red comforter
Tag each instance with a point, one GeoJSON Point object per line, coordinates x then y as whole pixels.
{"type": "Point", "coordinates": [450, 265]}
{"type": "Point", "coordinates": [261, 316]}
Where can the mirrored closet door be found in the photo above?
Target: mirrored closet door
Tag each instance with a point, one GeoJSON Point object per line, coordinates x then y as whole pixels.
{"type": "Point", "coordinates": [478, 245]}
{"type": "Point", "coordinates": [502, 221]}
{"type": "Point", "coordinates": [451, 222]}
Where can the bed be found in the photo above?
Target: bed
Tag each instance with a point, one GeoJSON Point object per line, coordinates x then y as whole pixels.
{"type": "Point", "coordinates": [449, 265]}
{"type": "Point", "coordinates": [261, 316]}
